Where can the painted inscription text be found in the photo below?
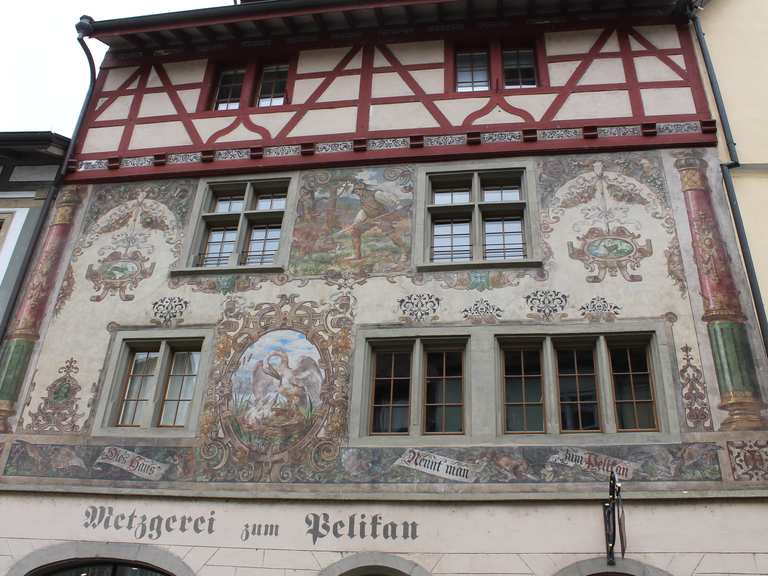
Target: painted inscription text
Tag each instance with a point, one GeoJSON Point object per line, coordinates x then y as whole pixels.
{"type": "Point", "coordinates": [143, 525]}
{"type": "Point", "coordinates": [359, 526]}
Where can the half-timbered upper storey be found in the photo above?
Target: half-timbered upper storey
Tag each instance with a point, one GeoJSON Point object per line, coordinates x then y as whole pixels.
{"type": "Point", "coordinates": [331, 82]}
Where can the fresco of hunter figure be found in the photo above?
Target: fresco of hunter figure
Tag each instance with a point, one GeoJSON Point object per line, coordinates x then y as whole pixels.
{"type": "Point", "coordinates": [353, 219]}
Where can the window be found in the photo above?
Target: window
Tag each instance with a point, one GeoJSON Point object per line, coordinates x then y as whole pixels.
{"type": "Point", "coordinates": [391, 392]}
{"type": "Point", "coordinates": [159, 383]}
{"type": "Point", "coordinates": [523, 393]}
{"type": "Point", "coordinates": [242, 224]}
{"type": "Point", "coordinates": [578, 389]}
{"type": "Point", "coordinates": [444, 404]}
{"type": "Point", "coordinates": [393, 364]}
{"type": "Point", "coordinates": [101, 568]}
{"type": "Point", "coordinates": [519, 68]}
{"type": "Point", "coordinates": [472, 71]}
{"type": "Point", "coordinates": [154, 381]}
{"type": "Point", "coordinates": [632, 386]}
{"type": "Point", "coordinates": [228, 89]}
{"type": "Point", "coordinates": [274, 79]}
{"type": "Point", "coordinates": [477, 216]}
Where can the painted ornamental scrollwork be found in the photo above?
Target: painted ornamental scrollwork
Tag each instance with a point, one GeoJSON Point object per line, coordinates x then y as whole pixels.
{"type": "Point", "coordinates": [58, 410]}
{"type": "Point", "coordinates": [276, 407]}
{"type": "Point", "coordinates": [698, 416]}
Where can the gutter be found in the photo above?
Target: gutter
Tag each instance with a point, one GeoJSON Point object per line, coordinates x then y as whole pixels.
{"type": "Point", "coordinates": [726, 169]}
{"type": "Point", "coordinates": [83, 29]}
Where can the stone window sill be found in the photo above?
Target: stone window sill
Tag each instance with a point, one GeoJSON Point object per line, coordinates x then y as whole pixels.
{"type": "Point", "coordinates": [198, 271]}
{"type": "Point", "coordinates": [480, 264]}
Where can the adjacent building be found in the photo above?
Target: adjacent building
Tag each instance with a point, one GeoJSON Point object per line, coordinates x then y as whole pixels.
{"type": "Point", "coordinates": [362, 288]}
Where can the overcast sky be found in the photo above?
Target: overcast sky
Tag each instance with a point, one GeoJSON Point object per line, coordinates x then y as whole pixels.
{"type": "Point", "coordinates": [45, 74]}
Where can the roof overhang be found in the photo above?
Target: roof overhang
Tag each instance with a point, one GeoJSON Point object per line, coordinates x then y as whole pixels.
{"type": "Point", "coordinates": [33, 145]}
{"type": "Point", "coordinates": [265, 20]}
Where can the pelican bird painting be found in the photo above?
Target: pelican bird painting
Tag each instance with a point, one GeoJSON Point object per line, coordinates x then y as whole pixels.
{"type": "Point", "coordinates": [279, 381]}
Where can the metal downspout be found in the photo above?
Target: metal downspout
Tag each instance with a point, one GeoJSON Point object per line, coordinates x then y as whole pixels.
{"type": "Point", "coordinates": [749, 265]}
{"type": "Point", "coordinates": [84, 28]}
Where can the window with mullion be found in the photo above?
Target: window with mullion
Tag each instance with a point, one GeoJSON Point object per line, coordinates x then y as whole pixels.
{"type": "Point", "coordinates": [263, 242]}
{"type": "Point", "coordinates": [228, 89]}
{"type": "Point", "coordinates": [138, 387]}
{"type": "Point", "coordinates": [272, 89]}
{"type": "Point", "coordinates": [632, 387]}
{"type": "Point", "coordinates": [472, 73]}
{"type": "Point", "coordinates": [519, 68]}
{"type": "Point", "coordinates": [503, 238]}
{"type": "Point", "coordinates": [577, 384]}
{"type": "Point", "coordinates": [452, 240]}
{"type": "Point", "coordinates": [523, 395]}
{"type": "Point", "coordinates": [444, 394]}
{"type": "Point", "coordinates": [391, 392]}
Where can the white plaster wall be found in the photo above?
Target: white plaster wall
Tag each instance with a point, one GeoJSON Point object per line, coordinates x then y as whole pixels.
{"type": "Point", "coordinates": [156, 104]}
{"type": "Point", "coordinates": [206, 127]}
{"type": "Point", "coordinates": [342, 88]}
{"type": "Point", "coordinates": [303, 89]}
{"type": "Point", "coordinates": [327, 121]}
{"type": "Point", "coordinates": [561, 72]}
{"type": "Point", "coordinates": [153, 81]}
{"type": "Point", "coordinates": [457, 110]}
{"type": "Point", "coordinates": [118, 110]}
{"type": "Point", "coordinates": [684, 538]}
{"type": "Point", "coordinates": [498, 116]}
{"type": "Point", "coordinates": [273, 121]}
{"type": "Point", "coordinates": [662, 101]}
{"type": "Point", "coordinates": [652, 69]}
{"type": "Point", "coordinates": [604, 71]}
{"type": "Point", "coordinates": [575, 42]}
{"type": "Point", "coordinates": [185, 72]}
{"type": "Point", "coordinates": [102, 139]}
{"type": "Point", "coordinates": [238, 134]}
{"type": "Point", "coordinates": [159, 135]}
{"type": "Point", "coordinates": [116, 76]}
{"type": "Point", "coordinates": [418, 52]}
{"type": "Point", "coordinates": [535, 104]}
{"type": "Point", "coordinates": [431, 81]}
{"type": "Point", "coordinates": [660, 36]}
{"type": "Point", "coordinates": [397, 116]}
{"type": "Point", "coordinates": [609, 104]}
{"type": "Point", "coordinates": [189, 98]}
{"type": "Point", "coordinates": [320, 60]}
{"type": "Point", "coordinates": [389, 84]}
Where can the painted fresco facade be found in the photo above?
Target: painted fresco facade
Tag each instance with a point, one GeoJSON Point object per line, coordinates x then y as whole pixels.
{"type": "Point", "coordinates": [276, 468]}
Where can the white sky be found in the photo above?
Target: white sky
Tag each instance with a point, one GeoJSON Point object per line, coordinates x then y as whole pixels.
{"type": "Point", "coordinates": [45, 73]}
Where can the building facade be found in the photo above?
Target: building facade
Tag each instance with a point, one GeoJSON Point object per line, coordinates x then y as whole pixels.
{"type": "Point", "coordinates": [388, 288]}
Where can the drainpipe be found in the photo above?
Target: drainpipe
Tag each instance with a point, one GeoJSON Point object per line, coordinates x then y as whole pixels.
{"type": "Point", "coordinates": [726, 169]}
{"type": "Point", "coordinates": [17, 344]}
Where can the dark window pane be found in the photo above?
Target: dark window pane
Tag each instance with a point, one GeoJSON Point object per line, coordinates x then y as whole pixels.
{"type": "Point", "coordinates": [434, 391]}
{"type": "Point", "coordinates": [589, 417]}
{"type": "Point", "coordinates": [383, 365]}
{"type": "Point", "coordinates": [380, 419]}
{"type": "Point", "coordinates": [569, 416]}
{"type": "Point", "coordinates": [381, 392]}
{"type": "Point", "coordinates": [453, 419]}
{"type": "Point", "coordinates": [642, 386]}
{"type": "Point", "coordinates": [535, 418]}
{"type": "Point", "coordinates": [587, 389]}
{"type": "Point", "coordinates": [568, 389]}
{"type": "Point", "coordinates": [453, 391]}
{"type": "Point", "coordinates": [513, 362]}
{"type": "Point", "coordinates": [623, 386]}
{"type": "Point", "coordinates": [565, 362]}
{"type": "Point", "coordinates": [453, 363]}
{"type": "Point", "coordinates": [625, 412]}
{"type": "Point", "coordinates": [515, 419]}
{"type": "Point", "coordinates": [646, 417]}
{"type": "Point", "coordinates": [514, 390]}
{"type": "Point", "coordinates": [638, 359]}
{"type": "Point", "coordinates": [400, 419]}
{"type": "Point", "coordinates": [402, 365]}
{"type": "Point", "coordinates": [532, 389]}
{"type": "Point", "coordinates": [532, 362]}
{"type": "Point", "coordinates": [434, 419]}
{"type": "Point", "coordinates": [434, 364]}
{"type": "Point", "coordinates": [585, 361]}
{"type": "Point", "coordinates": [619, 360]}
{"type": "Point", "coordinates": [401, 390]}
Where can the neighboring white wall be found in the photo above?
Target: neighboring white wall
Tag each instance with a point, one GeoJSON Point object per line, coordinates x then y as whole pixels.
{"type": "Point", "coordinates": [11, 237]}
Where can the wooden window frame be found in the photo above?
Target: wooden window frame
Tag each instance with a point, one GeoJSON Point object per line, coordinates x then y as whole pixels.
{"type": "Point", "coordinates": [256, 101]}
{"type": "Point", "coordinates": [574, 345]}
{"type": "Point", "coordinates": [433, 347]}
{"type": "Point", "coordinates": [163, 398]}
{"type": "Point", "coordinates": [629, 342]}
{"type": "Point", "coordinates": [507, 345]}
{"type": "Point", "coordinates": [389, 347]}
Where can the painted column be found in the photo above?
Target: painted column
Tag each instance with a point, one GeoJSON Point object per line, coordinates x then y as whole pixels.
{"type": "Point", "coordinates": [24, 332]}
{"type": "Point", "coordinates": [726, 323]}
